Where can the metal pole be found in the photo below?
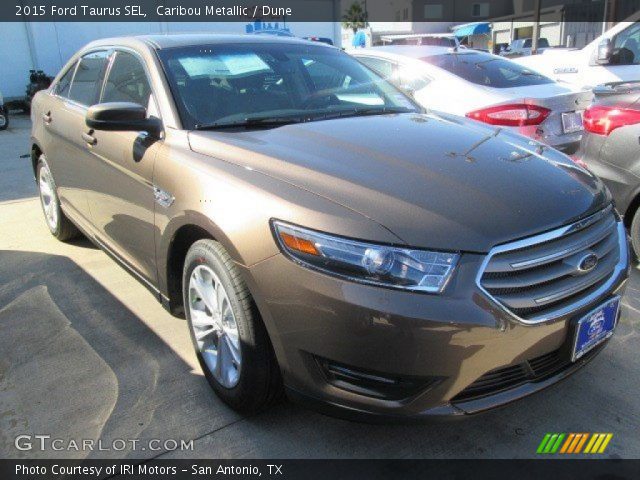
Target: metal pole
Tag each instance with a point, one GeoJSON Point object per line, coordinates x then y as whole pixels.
{"type": "Point", "coordinates": [536, 27]}
{"type": "Point", "coordinates": [613, 14]}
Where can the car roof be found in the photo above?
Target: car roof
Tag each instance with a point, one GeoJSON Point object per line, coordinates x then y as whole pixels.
{"type": "Point", "coordinates": [412, 51]}
{"type": "Point", "coordinates": [173, 40]}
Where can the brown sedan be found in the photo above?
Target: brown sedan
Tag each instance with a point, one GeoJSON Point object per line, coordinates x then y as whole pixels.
{"type": "Point", "coordinates": [322, 232]}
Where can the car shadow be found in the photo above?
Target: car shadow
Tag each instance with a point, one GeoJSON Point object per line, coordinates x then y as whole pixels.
{"type": "Point", "coordinates": [77, 364]}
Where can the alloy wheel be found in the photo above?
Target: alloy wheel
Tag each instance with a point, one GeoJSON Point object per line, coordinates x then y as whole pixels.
{"type": "Point", "coordinates": [214, 326]}
{"type": "Point", "coordinates": [48, 197]}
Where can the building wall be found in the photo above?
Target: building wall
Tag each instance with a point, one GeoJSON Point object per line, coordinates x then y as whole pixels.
{"type": "Point", "coordinates": [567, 34]}
{"type": "Point", "coordinates": [48, 45]}
{"type": "Point", "coordinates": [15, 59]}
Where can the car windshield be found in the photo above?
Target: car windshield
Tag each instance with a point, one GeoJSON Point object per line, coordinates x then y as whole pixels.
{"type": "Point", "coordinates": [269, 84]}
{"type": "Point", "coordinates": [487, 70]}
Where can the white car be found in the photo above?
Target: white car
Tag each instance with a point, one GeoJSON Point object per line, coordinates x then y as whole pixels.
{"type": "Point", "coordinates": [612, 57]}
{"type": "Point", "coordinates": [485, 87]}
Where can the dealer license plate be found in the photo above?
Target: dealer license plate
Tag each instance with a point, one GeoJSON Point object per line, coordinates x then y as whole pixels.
{"type": "Point", "coordinates": [595, 327]}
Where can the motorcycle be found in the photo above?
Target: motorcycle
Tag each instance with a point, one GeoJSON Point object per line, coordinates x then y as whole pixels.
{"type": "Point", "coordinates": [38, 80]}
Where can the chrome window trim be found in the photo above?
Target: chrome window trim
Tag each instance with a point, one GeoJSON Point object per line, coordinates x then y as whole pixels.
{"type": "Point", "coordinates": [552, 235]}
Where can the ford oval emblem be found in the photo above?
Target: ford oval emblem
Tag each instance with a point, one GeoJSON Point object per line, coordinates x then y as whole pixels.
{"type": "Point", "coordinates": [588, 263]}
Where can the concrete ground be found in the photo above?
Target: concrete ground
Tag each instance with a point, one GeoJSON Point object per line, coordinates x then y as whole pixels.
{"type": "Point", "coordinates": [88, 353]}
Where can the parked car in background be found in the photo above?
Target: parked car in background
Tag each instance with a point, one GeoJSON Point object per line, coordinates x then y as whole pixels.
{"type": "Point", "coordinates": [522, 47]}
{"type": "Point", "coordinates": [610, 148]}
{"type": "Point", "coordinates": [4, 114]}
{"type": "Point", "coordinates": [320, 230]}
{"type": "Point", "coordinates": [612, 57]}
{"type": "Point", "coordinates": [430, 39]}
{"type": "Point", "coordinates": [326, 40]}
{"type": "Point", "coordinates": [487, 88]}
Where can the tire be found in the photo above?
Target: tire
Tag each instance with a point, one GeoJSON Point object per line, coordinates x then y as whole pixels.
{"type": "Point", "coordinates": [59, 225]}
{"type": "Point", "coordinates": [249, 379]}
{"type": "Point", "coordinates": [634, 232]}
{"type": "Point", "coordinates": [4, 118]}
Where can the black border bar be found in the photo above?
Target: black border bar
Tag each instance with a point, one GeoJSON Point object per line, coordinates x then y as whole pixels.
{"type": "Point", "coordinates": [306, 10]}
{"type": "Point", "coordinates": [583, 469]}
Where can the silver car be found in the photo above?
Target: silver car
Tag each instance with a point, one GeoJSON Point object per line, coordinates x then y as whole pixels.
{"type": "Point", "coordinates": [487, 88]}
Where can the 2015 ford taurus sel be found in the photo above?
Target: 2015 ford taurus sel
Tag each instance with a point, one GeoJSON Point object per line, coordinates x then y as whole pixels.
{"type": "Point", "coordinates": [321, 232]}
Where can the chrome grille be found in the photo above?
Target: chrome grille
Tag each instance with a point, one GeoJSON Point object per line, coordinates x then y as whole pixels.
{"type": "Point", "coordinates": [539, 278]}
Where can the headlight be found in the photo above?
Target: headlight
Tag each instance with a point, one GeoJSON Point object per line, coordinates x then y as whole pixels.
{"type": "Point", "coordinates": [403, 268]}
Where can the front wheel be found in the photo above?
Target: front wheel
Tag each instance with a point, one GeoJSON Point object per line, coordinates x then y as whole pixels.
{"type": "Point", "coordinates": [59, 225]}
{"type": "Point", "coordinates": [231, 342]}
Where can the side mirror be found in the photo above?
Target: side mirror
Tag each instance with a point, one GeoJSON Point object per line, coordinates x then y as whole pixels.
{"type": "Point", "coordinates": [603, 55]}
{"type": "Point", "coordinates": [122, 116]}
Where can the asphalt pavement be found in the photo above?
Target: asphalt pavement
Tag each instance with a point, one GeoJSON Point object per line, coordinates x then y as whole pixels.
{"type": "Point", "coordinates": [87, 353]}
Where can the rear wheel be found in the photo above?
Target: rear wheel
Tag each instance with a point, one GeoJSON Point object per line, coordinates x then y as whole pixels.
{"type": "Point", "coordinates": [231, 342]}
{"type": "Point", "coordinates": [59, 225]}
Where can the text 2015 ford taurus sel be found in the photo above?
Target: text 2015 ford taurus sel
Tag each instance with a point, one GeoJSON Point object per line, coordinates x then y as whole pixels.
{"type": "Point", "coordinates": [323, 233]}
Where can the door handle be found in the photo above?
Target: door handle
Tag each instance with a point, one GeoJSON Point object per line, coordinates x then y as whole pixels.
{"type": "Point", "coordinates": [90, 139]}
{"type": "Point", "coordinates": [46, 117]}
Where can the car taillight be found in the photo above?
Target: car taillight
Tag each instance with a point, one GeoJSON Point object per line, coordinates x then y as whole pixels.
{"type": "Point", "coordinates": [603, 120]}
{"type": "Point", "coordinates": [516, 115]}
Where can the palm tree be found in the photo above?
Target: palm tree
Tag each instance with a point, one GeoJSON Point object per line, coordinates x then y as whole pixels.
{"type": "Point", "coordinates": [355, 17]}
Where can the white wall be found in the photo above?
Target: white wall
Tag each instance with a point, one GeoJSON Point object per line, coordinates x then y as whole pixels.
{"type": "Point", "coordinates": [15, 59]}
{"type": "Point", "coordinates": [48, 45]}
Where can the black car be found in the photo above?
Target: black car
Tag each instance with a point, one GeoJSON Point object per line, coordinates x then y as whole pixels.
{"type": "Point", "coordinates": [610, 148]}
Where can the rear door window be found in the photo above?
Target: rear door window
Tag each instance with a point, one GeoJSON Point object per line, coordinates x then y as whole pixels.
{"type": "Point", "coordinates": [85, 87]}
{"type": "Point", "coordinates": [487, 70]}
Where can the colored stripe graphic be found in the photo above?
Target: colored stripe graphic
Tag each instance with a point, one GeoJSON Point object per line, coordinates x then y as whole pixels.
{"type": "Point", "coordinates": [567, 443]}
{"type": "Point", "coordinates": [599, 443]}
{"type": "Point", "coordinates": [581, 443]}
{"type": "Point", "coordinates": [590, 444]}
{"type": "Point", "coordinates": [573, 443]}
{"type": "Point", "coordinates": [556, 445]}
{"type": "Point", "coordinates": [543, 443]}
{"type": "Point", "coordinates": [551, 443]}
{"type": "Point", "coordinates": [604, 445]}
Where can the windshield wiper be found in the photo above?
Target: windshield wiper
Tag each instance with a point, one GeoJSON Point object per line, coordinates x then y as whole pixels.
{"type": "Point", "coordinates": [361, 112]}
{"type": "Point", "coordinates": [251, 122]}
{"type": "Point", "coordinates": [272, 122]}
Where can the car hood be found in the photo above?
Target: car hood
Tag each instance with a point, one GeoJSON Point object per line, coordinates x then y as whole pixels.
{"type": "Point", "coordinates": [435, 181]}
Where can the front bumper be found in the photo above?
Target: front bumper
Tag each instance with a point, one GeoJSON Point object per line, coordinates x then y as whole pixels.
{"type": "Point", "coordinates": [434, 346]}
